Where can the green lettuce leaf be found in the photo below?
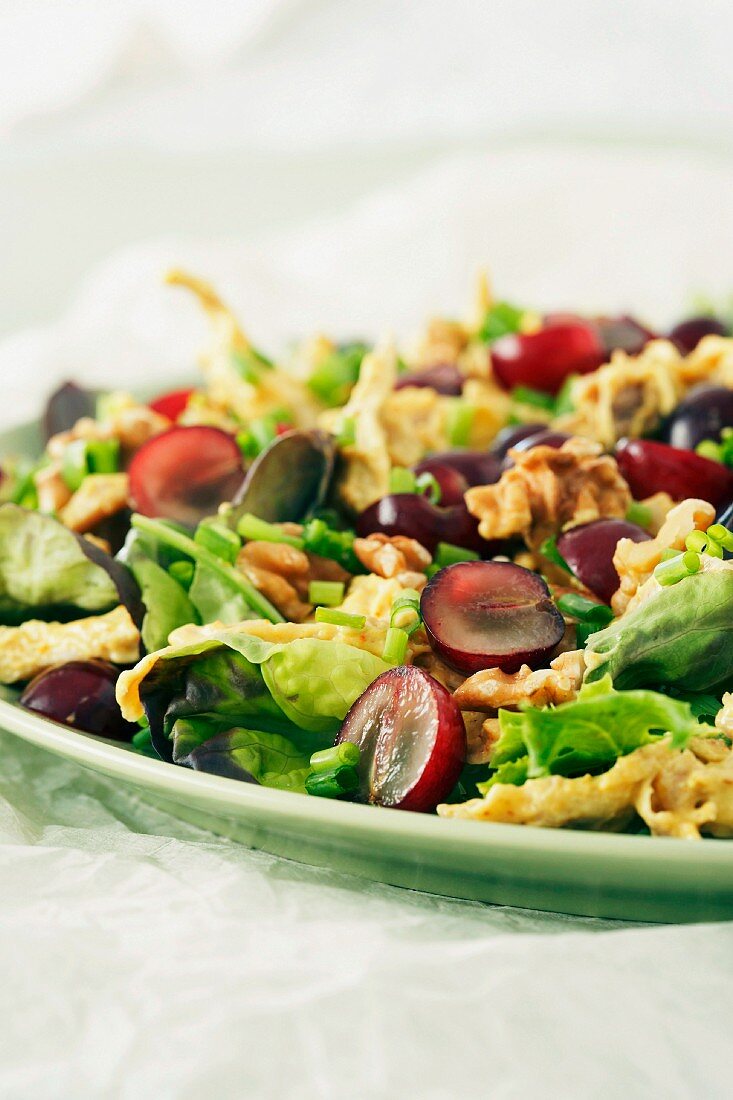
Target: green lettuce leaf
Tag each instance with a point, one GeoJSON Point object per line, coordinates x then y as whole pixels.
{"type": "Point", "coordinates": [47, 573]}
{"type": "Point", "coordinates": [245, 754]}
{"type": "Point", "coordinates": [167, 606]}
{"type": "Point", "coordinates": [300, 689]}
{"type": "Point", "coordinates": [682, 636]}
{"type": "Point", "coordinates": [216, 599]}
{"type": "Point", "coordinates": [587, 734]}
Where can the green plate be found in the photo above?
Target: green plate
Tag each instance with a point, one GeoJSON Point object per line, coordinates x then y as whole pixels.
{"type": "Point", "coordinates": [593, 874]}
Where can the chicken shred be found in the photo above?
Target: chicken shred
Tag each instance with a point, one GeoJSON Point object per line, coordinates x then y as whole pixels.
{"type": "Point", "coordinates": [29, 649]}
{"type": "Point", "coordinates": [98, 497]}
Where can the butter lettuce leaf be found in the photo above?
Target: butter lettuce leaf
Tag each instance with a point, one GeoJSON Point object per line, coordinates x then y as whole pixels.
{"type": "Point", "coordinates": [587, 734]}
{"type": "Point", "coordinates": [253, 755]}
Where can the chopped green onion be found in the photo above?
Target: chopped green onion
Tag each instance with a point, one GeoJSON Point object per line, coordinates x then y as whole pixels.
{"type": "Point", "coordinates": [579, 607]}
{"type": "Point", "coordinates": [395, 646]}
{"type": "Point", "coordinates": [401, 480]}
{"type": "Point", "coordinates": [448, 554]}
{"type": "Point", "coordinates": [708, 448]}
{"type": "Point", "coordinates": [335, 376]}
{"type": "Point", "coordinates": [525, 395]}
{"type": "Point", "coordinates": [345, 753]}
{"type": "Point", "coordinates": [720, 534]}
{"type": "Point", "coordinates": [166, 534]}
{"type": "Point", "coordinates": [459, 422]}
{"type": "Point", "coordinates": [697, 541]}
{"type": "Point", "coordinates": [74, 464]}
{"type": "Point", "coordinates": [326, 593]}
{"type": "Point", "coordinates": [677, 568]}
{"type": "Point", "coordinates": [549, 550]}
{"type": "Point", "coordinates": [639, 514]}
{"type": "Point", "coordinates": [142, 742]}
{"type": "Point", "coordinates": [219, 539]}
{"type": "Point", "coordinates": [333, 784]}
{"type": "Point", "coordinates": [564, 400]}
{"type": "Point", "coordinates": [103, 456]}
{"type": "Point", "coordinates": [409, 601]}
{"type": "Point", "coordinates": [253, 529]}
{"type": "Point", "coordinates": [182, 572]}
{"type": "Point", "coordinates": [669, 553]}
{"type": "Point", "coordinates": [347, 432]}
{"type": "Point", "coordinates": [248, 364]}
{"type": "Point", "coordinates": [319, 538]}
{"type": "Point", "coordinates": [432, 570]}
{"type": "Point", "coordinates": [427, 484]}
{"type": "Point", "coordinates": [340, 618]}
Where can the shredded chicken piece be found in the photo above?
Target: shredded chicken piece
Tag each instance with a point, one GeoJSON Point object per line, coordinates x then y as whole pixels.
{"type": "Point", "coordinates": [491, 688]}
{"type": "Point", "coordinates": [389, 556]}
{"type": "Point", "coordinates": [414, 422]}
{"type": "Point", "coordinates": [548, 489]}
{"type": "Point", "coordinates": [724, 717]}
{"type": "Point", "coordinates": [29, 649]}
{"type": "Point", "coordinates": [201, 409]}
{"type": "Point", "coordinates": [98, 497]}
{"type": "Point", "coordinates": [228, 388]}
{"type": "Point", "coordinates": [367, 464]}
{"type": "Point", "coordinates": [711, 361]}
{"type": "Point", "coordinates": [659, 505]}
{"type": "Point", "coordinates": [283, 574]}
{"type": "Point", "coordinates": [675, 793]}
{"type": "Point", "coordinates": [53, 492]}
{"type": "Point", "coordinates": [636, 561]}
{"type": "Point", "coordinates": [443, 342]}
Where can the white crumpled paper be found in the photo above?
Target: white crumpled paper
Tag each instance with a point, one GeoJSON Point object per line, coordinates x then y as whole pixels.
{"type": "Point", "coordinates": [140, 957]}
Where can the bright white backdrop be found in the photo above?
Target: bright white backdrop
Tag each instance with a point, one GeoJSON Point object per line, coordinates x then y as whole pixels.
{"type": "Point", "coordinates": [346, 165]}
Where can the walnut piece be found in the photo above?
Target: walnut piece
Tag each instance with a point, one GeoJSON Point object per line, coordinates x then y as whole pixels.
{"type": "Point", "coordinates": [283, 574]}
{"type": "Point", "coordinates": [98, 497]}
{"type": "Point", "coordinates": [491, 688]}
{"type": "Point", "coordinates": [392, 555]}
{"type": "Point", "coordinates": [548, 489]}
{"type": "Point", "coordinates": [29, 649]}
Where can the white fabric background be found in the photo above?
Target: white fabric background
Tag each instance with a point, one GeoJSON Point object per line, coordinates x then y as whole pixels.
{"type": "Point", "coordinates": [347, 166]}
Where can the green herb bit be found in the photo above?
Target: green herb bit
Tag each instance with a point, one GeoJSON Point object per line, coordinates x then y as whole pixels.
{"type": "Point", "coordinates": [401, 480]}
{"type": "Point", "coordinates": [219, 539]}
{"type": "Point", "coordinates": [676, 569]}
{"type": "Point", "coordinates": [448, 554]}
{"type": "Point", "coordinates": [346, 753]}
{"type": "Point", "coordinates": [428, 484]}
{"type": "Point", "coordinates": [549, 550]}
{"type": "Point", "coordinates": [395, 646]}
{"type": "Point", "coordinates": [459, 422]}
{"type": "Point", "coordinates": [639, 514]}
{"type": "Point", "coordinates": [169, 536]}
{"type": "Point", "coordinates": [182, 572]}
{"type": "Point", "coordinates": [501, 319]}
{"type": "Point", "coordinates": [408, 604]}
{"type": "Point", "coordinates": [525, 395]}
{"type": "Point", "coordinates": [333, 784]}
{"type": "Point", "coordinates": [326, 593]}
{"type": "Point", "coordinates": [340, 618]}
{"type": "Point", "coordinates": [721, 535]}
{"type": "Point", "coordinates": [253, 529]}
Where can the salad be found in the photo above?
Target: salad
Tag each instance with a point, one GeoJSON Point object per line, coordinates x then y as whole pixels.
{"type": "Point", "coordinates": [486, 575]}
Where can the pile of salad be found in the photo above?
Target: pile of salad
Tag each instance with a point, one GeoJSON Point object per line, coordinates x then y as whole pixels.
{"type": "Point", "coordinates": [486, 575]}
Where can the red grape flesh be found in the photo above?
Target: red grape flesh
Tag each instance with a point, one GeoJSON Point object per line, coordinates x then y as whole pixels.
{"type": "Point", "coordinates": [490, 615]}
{"type": "Point", "coordinates": [412, 740]}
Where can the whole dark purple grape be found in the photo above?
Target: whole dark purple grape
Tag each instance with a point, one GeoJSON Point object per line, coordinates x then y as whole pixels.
{"type": "Point", "coordinates": [624, 333]}
{"type": "Point", "coordinates": [510, 437]}
{"type": "Point", "coordinates": [546, 438]}
{"type": "Point", "coordinates": [80, 694]}
{"type": "Point", "coordinates": [446, 378]}
{"type": "Point", "coordinates": [589, 548]}
{"type": "Point", "coordinates": [702, 414]}
{"type": "Point", "coordinates": [688, 334]}
{"type": "Point", "coordinates": [475, 467]}
{"type": "Point", "coordinates": [413, 515]}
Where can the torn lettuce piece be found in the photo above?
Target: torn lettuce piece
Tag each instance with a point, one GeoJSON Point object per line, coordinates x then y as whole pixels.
{"type": "Point", "coordinates": [49, 572]}
{"type": "Point", "coordinates": [587, 734]}
{"type": "Point", "coordinates": [252, 756]}
{"type": "Point", "coordinates": [681, 636]}
{"type": "Point", "coordinates": [301, 689]}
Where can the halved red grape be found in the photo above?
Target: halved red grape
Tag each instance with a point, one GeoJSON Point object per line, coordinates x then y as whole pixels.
{"type": "Point", "coordinates": [80, 694]}
{"type": "Point", "coordinates": [702, 414]}
{"type": "Point", "coordinates": [446, 378]}
{"type": "Point", "coordinates": [413, 515]}
{"type": "Point", "coordinates": [510, 437]}
{"type": "Point", "coordinates": [490, 614]}
{"type": "Point", "coordinates": [452, 484]}
{"type": "Point", "coordinates": [184, 474]}
{"type": "Point", "coordinates": [172, 404]}
{"type": "Point", "coordinates": [688, 334]}
{"type": "Point", "coordinates": [544, 359]}
{"type": "Point", "coordinates": [652, 467]}
{"type": "Point", "coordinates": [412, 740]}
{"type": "Point", "coordinates": [589, 548]}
